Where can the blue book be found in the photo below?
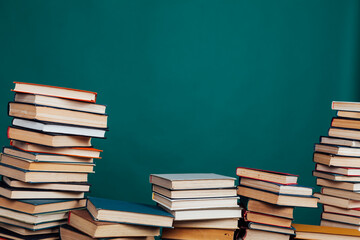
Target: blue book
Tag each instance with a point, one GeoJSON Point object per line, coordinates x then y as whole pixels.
{"type": "Point", "coordinates": [128, 212]}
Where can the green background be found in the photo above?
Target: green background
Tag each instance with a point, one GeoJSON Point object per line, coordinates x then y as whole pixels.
{"type": "Point", "coordinates": [191, 86]}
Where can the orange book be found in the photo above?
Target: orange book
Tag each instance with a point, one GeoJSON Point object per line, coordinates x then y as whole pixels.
{"type": "Point", "coordinates": [326, 230]}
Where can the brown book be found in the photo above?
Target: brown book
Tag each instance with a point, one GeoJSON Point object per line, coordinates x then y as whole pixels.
{"type": "Point", "coordinates": [252, 234]}
{"type": "Point", "coordinates": [343, 211]}
{"type": "Point", "coordinates": [346, 171]}
{"type": "Point", "coordinates": [341, 218]}
{"type": "Point", "coordinates": [327, 223]}
{"type": "Point", "coordinates": [350, 186]}
{"type": "Point", "coordinates": [344, 133]}
{"type": "Point", "coordinates": [270, 209]}
{"type": "Point", "coordinates": [27, 232]}
{"type": "Point", "coordinates": [81, 220]}
{"type": "Point", "coordinates": [336, 177]}
{"type": "Point", "coordinates": [346, 106]}
{"type": "Point", "coordinates": [345, 123]}
{"type": "Point", "coordinates": [324, 233]}
{"type": "Point", "coordinates": [267, 219]}
{"type": "Point", "coordinates": [337, 201]}
{"type": "Point", "coordinates": [337, 161]}
{"type": "Point", "coordinates": [348, 114]}
{"type": "Point", "coordinates": [341, 193]}
{"type": "Point", "coordinates": [33, 227]}
{"type": "Point", "coordinates": [340, 141]}
{"type": "Point", "coordinates": [338, 150]}
{"type": "Point", "coordinates": [269, 176]}
{"type": "Point", "coordinates": [197, 234]}
{"type": "Point", "coordinates": [53, 140]}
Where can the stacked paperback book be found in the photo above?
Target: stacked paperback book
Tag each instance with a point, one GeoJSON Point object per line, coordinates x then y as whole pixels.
{"type": "Point", "coordinates": [204, 206]}
{"type": "Point", "coordinates": [45, 169]}
{"type": "Point", "coordinates": [269, 199]}
{"type": "Point", "coordinates": [311, 232]}
{"type": "Point", "coordinates": [337, 159]}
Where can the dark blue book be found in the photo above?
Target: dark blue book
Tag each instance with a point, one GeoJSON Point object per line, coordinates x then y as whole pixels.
{"type": "Point", "coordinates": [128, 212]}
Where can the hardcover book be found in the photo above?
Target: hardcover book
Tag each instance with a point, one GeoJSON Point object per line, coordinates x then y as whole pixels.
{"type": "Point", "coordinates": [268, 176]}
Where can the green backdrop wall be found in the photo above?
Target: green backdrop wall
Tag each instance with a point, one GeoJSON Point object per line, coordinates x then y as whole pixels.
{"type": "Point", "coordinates": [191, 86]}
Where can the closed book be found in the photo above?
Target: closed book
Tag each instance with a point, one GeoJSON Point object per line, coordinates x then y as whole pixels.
{"type": "Point", "coordinates": [32, 165]}
{"type": "Point", "coordinates": [53, 140]}
{"type": "Point", "coordinates": [254, 234]}
{"type": "Point", "coordinates": [195, 203]}
{"type": "Point", "coordinates": [341, 193]}
{"type": "Point", "coordinates": [267, 208]}
{"type": "Point", "coordinates": [41, 176]}
{"type": "Point", "coordinates": [348, 114]}
{"type": "Point", "coordinates": [337, 161]}
{"type": "Point", "coordinates": [337, 201]}
{"type": "Point", "coordinates": [206, 214]}
{"type": "Point", "coordinates": [59, 103]}
{"type": "Point", "coordinates": [192, 181]}
{"type": "Point", "coordinates": [267, 219]}
{"type": "Point", "coordinates": [231, 223]}
{"type": "Point", "coordinates": [338, 150]}
{"type": "Point", "coordinates": [347, 171]}
{"type": "Point", "coordinates": [81, 152]}
{"type": "Point", "coordinates": [197, 193]}
{"type": "Point", "coordinates": [345, 106]}
{"type": "Point", "coordinates": [76, 187]}
{"type": "Point", "coordinates": [341, 185]}
{"type": "Point", "coordinates": [48, 127]}
{"type": "Point", "coordinates": [344, 133]}
{"type": "Point", "coordinates": [32, 227]}
{"type": "Point", "coordinates": [127, 212]}
{"type": "Point", "coordinates": [269, 176]}
{"type": "Point", "coordinates": [324, 233]}
{"type": "Point", "coordinates": [270, 228]}
{"type": "Point", "coordinates": [57, 115]}
{"type": "Point", "coordinates": [343, 211]}
{"type": "Point", "coordinates": [61, 92]}
{"type": "Point", "coordinates": [275, 187]}
{"type": "Point", "coordinates": [328, 223]}
{"type": "Point", "coordinates": [38, 206]}
{"type": "Point", "coordinates": [81, 220]}
{"type": "Point", "coordinates": [197, 234]}
{"type": "Point", "coordinates": [336, 177]}
{"type": "Point", "coordinates": [345, 123]}
{"type": "Point", "coordinates": [278, 199]}
{"type": "Point", "coordinates": [6, 234]}
{"type": "Point", "coordinates": [340, 141]}
{"type": "Point", "coordinates": [27, 232]}
{"type": "Point", "coordinates": [341, 218]}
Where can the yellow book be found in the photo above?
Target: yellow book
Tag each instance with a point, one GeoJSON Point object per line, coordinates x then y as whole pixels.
{"type": "Point", "coordinates": [326, 230]}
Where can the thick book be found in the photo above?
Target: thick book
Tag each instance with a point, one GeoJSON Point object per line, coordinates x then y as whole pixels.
{"type": "Point", "coordinates": [337, 201]}
{"type": "Point", "coordinates": [345, 123]}
{"type": "Point", "coordinates": [26, 193]}
{"type": "Point", "coordinates": [278, 199]}
{"type": "Point", "coordinates": [268, 176]}
{"type": "Point", "coordinates": [207, 214]}
{"type": "Point", "coordinates": [254, 234]}
{"type": "Point", "coordinates": [348, 114]}
{"type": "Point", "coordinates": [109, 210]}
{"type": "Point", "coordinates": [198, 193]}
{"type": "Point", "coordinates": [52, 140]}
{"type": "Point", "coordinates": [41, 176]}
{"type": "Point", "coordinates": [38, 206]}
{"type": "Point", "coordinates": [344, 133]}
{"type": "Point", "coordinates": [267, 208]}
{"type": "Point", "coordinates": [31, 165]}
{"type": "Point", "coordinates": [339, 141]}
{"type": "Point", "coordinates": [27, 232]}
{"type": "Point", "coordinates": [345, 106]}
{"type": "Point", "coordinates": [267, 219]}
{"type": "Point", "coordinates": [330, 232]}
{"type": "Point", "coordinates": [270, 228]}
{"type": "Point", "coordinates": [44, 157]}
{"type": "Point", "coordinates": [61, 92]}
{"type": "Point", "coordinates": [197, 234]}
{"type": "Point", "coordinates": [350, 186]}
{"type": "Point", "coordinates": [6, 234]}
{"type": "Point", "coordinates": [341, 218]}
{"type": "Point", "coordinates": [231, 223]}
{"type": "Point", "coordinates": [343, 211]}
{"type": "Point", "coordinates": [337, 161]}
{"type": "Point", "coordinates": [57, 115]}
{"type": "Point", "coordinates": [48, 127]}
{"type": "Point", "coordinates": [275, 187]}
{"type": "Point", "coordinates": [82, 152]}
{"type": "Point", "coordinates": [60, 103]}
{"type": "Point", "coordinates": [30, 226]}
{"type": "Point", "coordinates": [347, 171]}
{"type": "Point", "coordinates": [192, 181]}
{"type": "Point", "coordinates": [328, 223]}
{"type": "Point", "coordinates": [76, 187]}
{"type": "Point", "coordinates": [338, 150]}
{"type": "Point", "coordinates": [352, 195]}
{"type": "Point", "coordinates": [195, 203]}
{"type": "Point", "coordinates": [336, 177]}
{"type": "Point", "coordinates": [81, 220]}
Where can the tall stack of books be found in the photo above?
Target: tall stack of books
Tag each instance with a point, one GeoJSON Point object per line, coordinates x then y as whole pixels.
{"type": "Point", "coordinates": [269, 199]}
{"type": "Point", "coordinates": [45, 169]}
{"type": "Point", "coordinates": [337, 159]}
{"type": "Point", "coordinates": [114, 219]}
{"type": "Point", "coordinates": [205, 206]}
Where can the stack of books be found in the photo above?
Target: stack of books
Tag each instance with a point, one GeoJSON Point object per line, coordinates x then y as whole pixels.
{"type": "Point", "coordinates": [45, 169]}
{"type": "Point", "coordinates": [205, 206]}
{"type": "Point", "coordinates": [337, 169]}
{"type": "Point", "coordinates": [311, 232]}
{"type": "Point", "coordinates": [269, 199]}
{"type": "Point", "coordinates": [114, 219]}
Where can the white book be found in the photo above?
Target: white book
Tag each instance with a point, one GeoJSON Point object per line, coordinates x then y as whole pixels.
{"type": "Point", "coordinates": [202, 214]}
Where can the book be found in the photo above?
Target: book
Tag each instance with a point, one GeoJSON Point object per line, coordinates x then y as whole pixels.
{"type": "Point", "coordinates": [59, 103]}
{"type": "Point", "coordinates": [337, 161]}
{"type": "Point", "coordinates": [275, 187]}
{"type": "Point", "coordinates": [268, 176]}
{"type": "Point", "coordinates": [348, 114]}
{"type": "Point", "coordinates": [253, 234]}
{"type": "Point", "coordinates": [192, 181]}
{"type": "Point", "coordinates": [341, 193]}
{"type": "Point", "coordinates": [81, 220]}
{"type": "Point", "coordinates": [336, 177]}
{"type": "Point", "coordinates": [40, 176]}
{"type": "Point", "coordinates": [345, 106]}
{"type": "Point", "coordinates": [53, 140]}
{"type": "Point", "coordinates": [76, 187]}
{"type": "Point", "coordinates": [48, 127]}
{"type": "Point", "coordinates": [267, 219]}
{"type": "Point", "coordinates": [28, 164]}
{"type": "Point", "coordinates": [61, 92]}
{"type": "Point", "coordinates": [69, 233]}
{"type": "Point", "coordinates": [345, 123]}
{"type": "Point", "coordinates": [341, 232]}
{"type": "Point", "coordinates": [337, 201]}
{"type": "Point", "coordinates": [323, 236]}
{"type": "Point", "coordinates": [197, 193]}
{"type": "Point", "coordinates": [195, 203]}
{"type": "Point", "coordinates": [127, 212]}
{"type": "Point", "coordinates": [57, 115]}
{"type": "Point", "coordinates": [267, 208]}
{"type": "Point", "coordinates": [38, 206]}
{"type": "Point", "coordinates": [343, 211]}
{"type": "Point", "coordinates": [230, 223]}
{"type": "Point", "coordinates": [197, 234]}
{"type": "Point", "coordinates": [341, 185]}
{"type": "Point", "coordinates": [339, 141]}
{"type": "Point", "coordinates": [270, 228]}
{"type": "Point", "coordinates": [327, 223]}
{"type": "Point", "coordinates": [6, 234]}
{"type": "Point", "coordinates": [344, 133]}
{"type": "Point", "coordinates": [338, 170]}
{"type": "Point", "coordinates": [207, 214]}
{"type": "Point", "coordinates": [44, 157]}
{"type": "Point", "coordinates": [24, 193]}
{"type": "Point", "coordinates": [341, 218]}
{"type": "Point", "coordinates": [278, 199]}
{"type": "Point", "coordinates": [82, 152]}
{"type": "Point", "coordinates": [338, 150]}
{"type": "Point", "coordinates": [32, 227]}
{"type": "Point", "coordinates": [27, 232]}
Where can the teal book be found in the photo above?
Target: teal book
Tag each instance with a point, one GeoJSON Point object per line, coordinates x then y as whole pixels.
{"type": "Point", "coordinates": [128, 212]}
